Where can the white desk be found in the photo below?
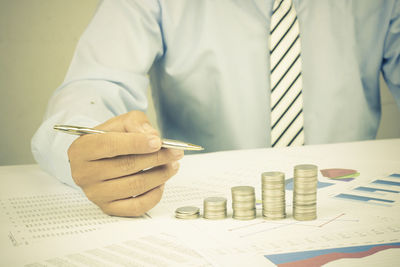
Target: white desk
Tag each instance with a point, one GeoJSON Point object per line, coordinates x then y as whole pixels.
{"type": "Point", "coordinates": [45, 223]}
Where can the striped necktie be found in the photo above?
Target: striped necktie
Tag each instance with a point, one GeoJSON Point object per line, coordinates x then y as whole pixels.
{"type": "Point", "coordinates": [286, 79]}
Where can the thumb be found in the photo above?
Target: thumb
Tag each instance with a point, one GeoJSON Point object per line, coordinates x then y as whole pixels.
{"type": "Point", "coordinates": [137, 121]}
{"type": "Point", "coordinates": [133, 121]}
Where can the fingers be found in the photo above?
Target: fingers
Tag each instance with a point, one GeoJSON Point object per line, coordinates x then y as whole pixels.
{"type": "Point", "coordinates": [133, 185]}
{"type": "Point", "coordinates": [89, 172]}
{"type": "Point", "coordinates": [134, 206]}
{"type": "Point", "coordinates": [109, 167]}
{"type": "Point", "coordinates": [108, 145]}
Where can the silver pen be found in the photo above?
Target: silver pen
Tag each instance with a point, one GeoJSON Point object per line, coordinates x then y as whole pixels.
{"type": "Point", "coordinates": [166, 143]}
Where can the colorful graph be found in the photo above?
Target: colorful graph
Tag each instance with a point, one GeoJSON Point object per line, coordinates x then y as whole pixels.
{"type": "Point", "coordinates": [375, 190]}
{"type": "Point", "coordinates": [323, 256]}
{"type": "Point", "coordinates": [338, 174]}
{"type": "Point", "coordinates": [386, 182]}
{"type": "Point", "coordinates": [386, 188]}
{"type": "Point", "coordinates": [371, 200]}
{"type": "Point", "coordinates": [394, 175]}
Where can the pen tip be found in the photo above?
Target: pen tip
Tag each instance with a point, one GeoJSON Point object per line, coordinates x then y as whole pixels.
{"type": "Point", "coordinates": [195, 147]}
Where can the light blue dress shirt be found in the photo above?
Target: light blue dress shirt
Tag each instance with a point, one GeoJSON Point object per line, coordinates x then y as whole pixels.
{"type": "Point", "coordinates": [208, 64]}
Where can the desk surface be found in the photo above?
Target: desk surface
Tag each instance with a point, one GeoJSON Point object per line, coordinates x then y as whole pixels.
{"type": "Point", "coordinates": [52, 224]}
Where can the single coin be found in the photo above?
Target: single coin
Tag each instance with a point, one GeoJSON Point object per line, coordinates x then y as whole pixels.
{"type": "Point", "coordinates": [270, 216]}
{"type": "Point", "coordinates": [273, 193]}
{"type": "Point", "coordinates": [272, 177]}
{"type": "Point", "coordinates": [242, 190]}
{"type": "Point", "coordinates": [243, 206]}
{"type": "Point", "coordinates": [244, 212]}
{"type": "Point", "coordinates": [278, 206]}
{"type": "Point", "coordinates": [273, 187]}
{"type": "Point", "coordinates": [187, 217]}
{"type": "Point", "coordinates": [215, 217]}
{"type": "Point", "coordinates": [305, 218]}
{"type": "Point", "coordinates": [305, 197]}
{"type": "Point", "coordinates": [244, 198]}
{"type": "Point", "coordinates": [305, 180]}
{"type": "Point", "coordinates": [274, 208]}
{"type": "Point", "coordinates": [214, 200]}
{"type": "Point", "coordinates": [212, 212]}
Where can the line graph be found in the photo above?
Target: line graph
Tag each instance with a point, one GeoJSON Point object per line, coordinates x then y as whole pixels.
{"type": "Point", "coordinates": [246, 230]}
{"type": "Point", "coordinates": [324, 256]}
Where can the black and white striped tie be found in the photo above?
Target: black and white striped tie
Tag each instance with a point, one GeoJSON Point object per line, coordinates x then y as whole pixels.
{"type": "Point", "coordinates": [286, 81]}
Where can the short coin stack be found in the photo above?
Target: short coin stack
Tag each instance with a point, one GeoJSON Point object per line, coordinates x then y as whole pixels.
{"type": "Point", "coordinates": [273, 195]}
{"type": "Point", "coordinates": [215, 208]}
{"type": "Point", "coordinates": [187, 212]}
{"type": "Point", "coordinates": [305, 192]}
{"type": "Point", "coordinates": [243, 202]}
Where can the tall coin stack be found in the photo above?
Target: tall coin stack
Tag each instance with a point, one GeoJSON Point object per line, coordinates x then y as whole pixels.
{"type": "Point", "coordinates": [273, 195]}
{"type": "Point", "coordinates": [214, 208]}
{"type": "Point", "coordinates": [243, 202]}
{"type": "Point", "coordinates": [305, 192]}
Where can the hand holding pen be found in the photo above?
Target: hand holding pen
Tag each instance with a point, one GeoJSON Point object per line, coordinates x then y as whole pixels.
{"type": "Point", "coordinates": [123, 168]}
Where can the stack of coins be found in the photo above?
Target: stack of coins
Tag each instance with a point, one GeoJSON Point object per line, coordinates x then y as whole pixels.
{"type": "Point", "coordinates": [305, 192]}
{"type": "Point", "coordinates": [243, 202]}
{"type": "Point", "coordinates": [214, 208]}
{"type": "Point", "coordinates": [273, 195]}
{"type": "Point", "coordinates": [187, 212]}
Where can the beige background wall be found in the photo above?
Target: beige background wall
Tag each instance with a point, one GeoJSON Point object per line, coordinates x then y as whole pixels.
{"type": "Point", "coordinates": [37, 39]}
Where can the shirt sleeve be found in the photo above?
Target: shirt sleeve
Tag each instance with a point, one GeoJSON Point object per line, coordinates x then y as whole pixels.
{"type": "Point", "coordinates": [391, 56]}
{"type": "Point", "coordinates": [107, 77]}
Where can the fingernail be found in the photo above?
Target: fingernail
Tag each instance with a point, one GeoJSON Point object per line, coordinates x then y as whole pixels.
{"type": "Point", "coordinates": [175, 165]}
{"type": "Point", "coordinates": [177, 153]}
{"type": "Point", "coordinates": [154, 142]}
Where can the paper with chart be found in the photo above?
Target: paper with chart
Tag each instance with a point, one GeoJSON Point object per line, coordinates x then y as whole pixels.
{"type": "Point", "coordinates": [151, 249]}
{"type": "Point", "coordinates": [74, 231]}
{"type": "Point", "coordinates": [338, 225]}
{"type": "Point", "coordinates": [57, 225]}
